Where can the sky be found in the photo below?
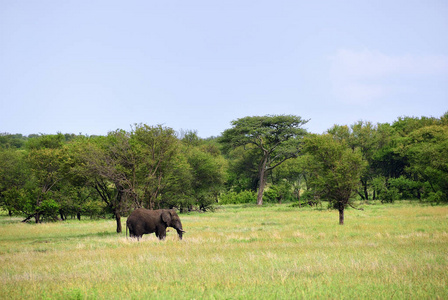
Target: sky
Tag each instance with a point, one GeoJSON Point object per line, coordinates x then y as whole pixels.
{"type": "Point", "coordinates": [90, 67]}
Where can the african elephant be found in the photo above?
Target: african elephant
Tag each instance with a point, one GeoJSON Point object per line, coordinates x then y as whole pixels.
{"type": "Point", "coordinates": [143, 221]}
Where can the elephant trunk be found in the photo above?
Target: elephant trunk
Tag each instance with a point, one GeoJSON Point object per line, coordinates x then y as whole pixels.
{"type": "Point", "coordinates": [180, 232]}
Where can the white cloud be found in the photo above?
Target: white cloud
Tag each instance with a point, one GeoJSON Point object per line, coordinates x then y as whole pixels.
{"type": "Point", "coordinates": [361, 77]}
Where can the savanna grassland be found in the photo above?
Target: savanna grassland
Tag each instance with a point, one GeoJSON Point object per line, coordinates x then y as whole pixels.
{"type": "Point", "coordinates": [272, 252]}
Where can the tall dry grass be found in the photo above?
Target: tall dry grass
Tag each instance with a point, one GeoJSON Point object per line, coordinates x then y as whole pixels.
{"type": "Point", "coordinates": [276, 252]}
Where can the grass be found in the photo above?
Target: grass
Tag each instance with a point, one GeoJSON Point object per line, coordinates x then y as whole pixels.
{"type": "Point", "coordinates": [273, 252]}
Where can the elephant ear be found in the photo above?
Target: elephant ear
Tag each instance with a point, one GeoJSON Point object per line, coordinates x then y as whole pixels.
{"type": "Point", "coordinates": [166, 217]}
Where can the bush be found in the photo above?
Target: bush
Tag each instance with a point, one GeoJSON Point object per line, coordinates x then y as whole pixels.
{"type": "Point", "coordinates": [206, 202]}
{"type": "Point", "coordinates": [49, 209]}
{"type": "Point", "coordinates": [307, 198]}
{"type": "Point", "coordinates": [94, 209]}
{"type": "Point", "coordinates": [434, 198]}
{"type": "Point", "coordinates": [238, 198]}
{"type": "Point", "coordinates": [407, 188]}
{"type": "Point", "coordinates": [271, 195]}
{"type": "Point", "coordinates": [390, 195]}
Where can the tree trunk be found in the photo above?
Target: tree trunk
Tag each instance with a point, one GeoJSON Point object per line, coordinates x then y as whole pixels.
{"type": "Point", "coordinates": [118, 219]}
{"type": "Point", "coordinates": [37, 217]}
{"type": "Point", "coordinates": [29, 217]}
{"type": "Point", "coordinates": [366, 192]}
{"type": "Point", "coordinates": [341, 215]}
{"type": "Point", "coordinates": [361, 195]}
{"type": "Point", "coordinates": [262, 181]}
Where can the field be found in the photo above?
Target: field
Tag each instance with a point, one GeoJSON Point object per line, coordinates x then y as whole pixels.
{"type": "Point", "coordinates": [274, 252]}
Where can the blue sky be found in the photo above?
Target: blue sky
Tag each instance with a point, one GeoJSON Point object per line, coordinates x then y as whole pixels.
{"type": "Point", "coordinates": [95, 66]}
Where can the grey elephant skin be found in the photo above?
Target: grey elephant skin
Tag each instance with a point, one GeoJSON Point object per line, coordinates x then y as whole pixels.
{"type": "Point", "coordinates": [144, 221]}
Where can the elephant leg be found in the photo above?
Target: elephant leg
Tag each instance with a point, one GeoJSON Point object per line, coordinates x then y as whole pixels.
{"type": "Point", "coordinates": [162, 234]}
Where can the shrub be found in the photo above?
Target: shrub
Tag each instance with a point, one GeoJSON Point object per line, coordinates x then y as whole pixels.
{"type": "Point", "coordinates": [238, 198]}
{"type": "Point", "coordinates": [49, 209]}
{"type": "Point", "coordinates": [390, 195]}
{"type": "Point", "coordinates": [407, 188]}
{"type": "Point", "coordinates": [271, 194]}
{"type": "Point", "coordinates": [434, 198]}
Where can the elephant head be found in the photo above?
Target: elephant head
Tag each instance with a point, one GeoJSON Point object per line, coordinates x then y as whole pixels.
{"type": "Point", "coordinates": [171, 219]}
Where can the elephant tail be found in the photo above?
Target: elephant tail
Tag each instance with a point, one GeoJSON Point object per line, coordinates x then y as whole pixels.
{"type": "Point", "coordinates": [126, 229]}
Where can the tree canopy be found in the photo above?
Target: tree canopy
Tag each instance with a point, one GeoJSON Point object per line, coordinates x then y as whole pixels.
{"type": "Point", "coordinates": [277, 137]}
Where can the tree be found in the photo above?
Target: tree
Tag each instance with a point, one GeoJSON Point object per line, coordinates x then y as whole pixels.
{"type": "Point", "coordinates": [14, 176]}
{"type": "Point", "coordinates": [161, 169]}
{"type": "Point", "coordinates": [14, 141]}
{"type": "Point", "coordinates": [410, 160]}
{"type": "Point", "coordinates": [334, 170]}
{"type": "Point", "coordinates": [427, 151]}
{"type": "Point", "coordinates": [109, 164]}
{"type": "Point", "coordinates": [290, 176]}
{"type": "Point", "coordinates": [242, 174]}
{"type": "Point", "coordinates": [364, 136]}
{"type": "Point", "coordinates": [45, 156]}
{"type": "Point", "coordinates": [208, 173]}
{"type": "Point", "coordinates": [277, 137]}
{"type": "Point", "coordinates": [78, 191]}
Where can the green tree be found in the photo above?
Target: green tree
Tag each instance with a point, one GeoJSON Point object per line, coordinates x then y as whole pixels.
{"type": "Point", "coordinates": [277, 137]}
{"type": "Point", "coordinates": [208, 175]}
{"type": "Point", "coordinates": [334, 170]}
{"type": "Point", "coordinates": [403, 162]}
{"type": "Point", "coordinates": [243, 168]}
{"type": "Point", "coordinates": [161, 169]}
{"type": "Point", "coordinates": [207, 168]}
{"type": "Point", "coordinates": [290, 177]}
{"type": "Point", "coordinates": [109, 165]}
{"type": "Point", "coordinates": [45, 156]}
{"type": "Point", "coordinates": [14, 176]}
{"type": "Point", "coordinates": [364, 136]}
{"type": "Point", "coordinates": [427, 151]}
{"type": "Point", "coordinates": [12, 140]}
{"type": "Point", "coordinates": [78, 193]}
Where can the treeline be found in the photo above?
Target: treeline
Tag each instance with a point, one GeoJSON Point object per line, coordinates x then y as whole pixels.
{"type": "Point", "coordinates": [48, 177]}
{"type": "Point", "coordinates": [52, 176]}
{"type": "Point", "coordinates": [407, 159]}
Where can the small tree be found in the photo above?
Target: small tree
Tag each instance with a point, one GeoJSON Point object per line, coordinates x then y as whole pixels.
{"type": "Point", "coordinates": [334, 170]}
{"type": "Point", "coordinates": [278, 139]}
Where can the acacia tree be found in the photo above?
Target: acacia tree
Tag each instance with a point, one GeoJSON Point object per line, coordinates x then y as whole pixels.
{"type": "Point", "coordinates": [277, 137]}
{"type": "Point", "coordinates": [334, 170]}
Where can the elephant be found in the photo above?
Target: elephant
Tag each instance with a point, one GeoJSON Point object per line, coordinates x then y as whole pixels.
{"type": "Point", "coordinates": [143, 221]}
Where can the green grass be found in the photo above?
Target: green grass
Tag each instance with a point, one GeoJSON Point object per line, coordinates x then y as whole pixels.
{"type": "Point", "coordinates": [274, 252]}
